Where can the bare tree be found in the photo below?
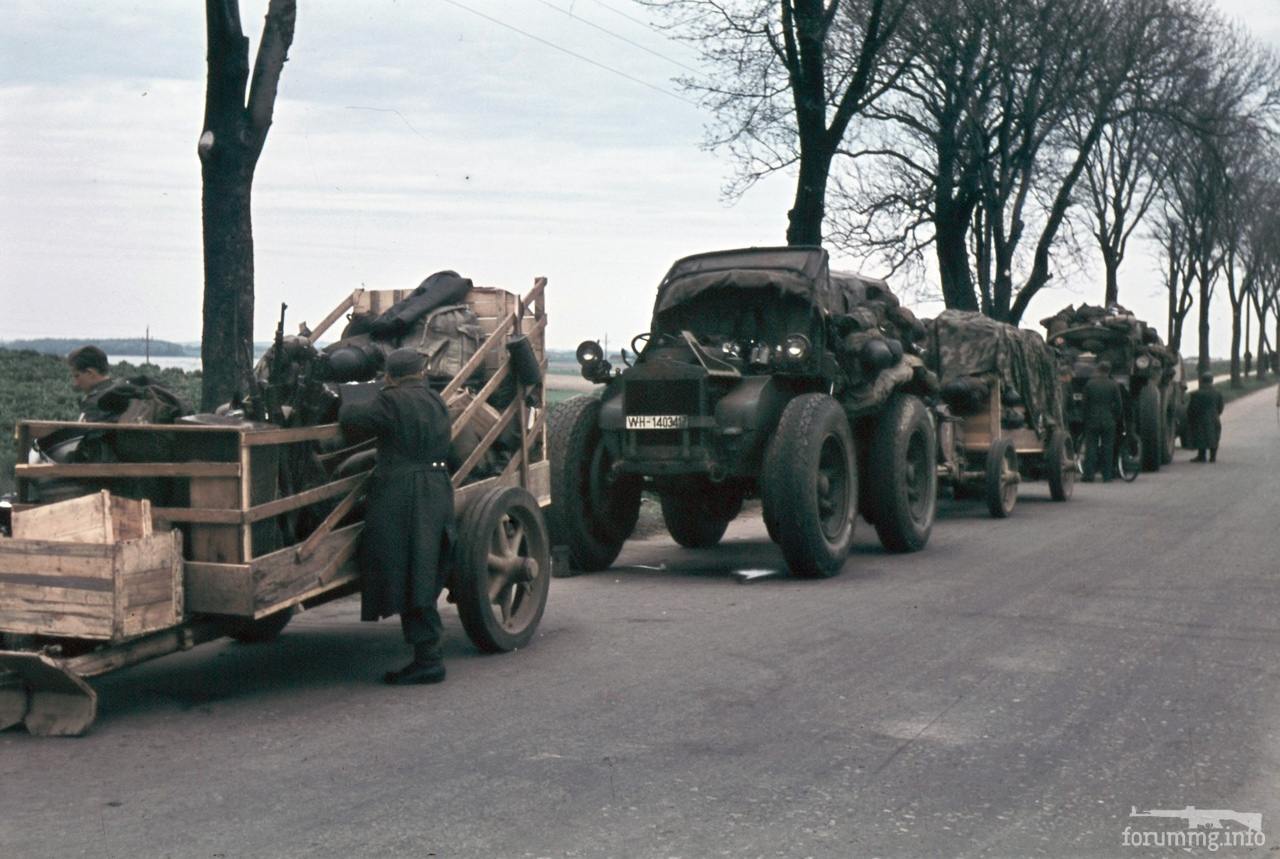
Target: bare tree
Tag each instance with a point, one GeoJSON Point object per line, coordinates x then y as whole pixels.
{"type": "Point", "coordinates": [237, 116]}
{"type": "Point", "coordinates": [785, 79]}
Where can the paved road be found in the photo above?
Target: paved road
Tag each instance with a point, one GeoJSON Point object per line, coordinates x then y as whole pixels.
{"type": "Point", "coordinates": [1015, 690]}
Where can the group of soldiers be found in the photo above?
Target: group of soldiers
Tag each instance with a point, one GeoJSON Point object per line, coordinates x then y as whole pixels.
{"type": "Point", "coordinates": [1103, 409]}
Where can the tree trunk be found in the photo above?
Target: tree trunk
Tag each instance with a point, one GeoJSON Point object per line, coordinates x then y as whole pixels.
{"type": "Point", "coordinates": [226, 343]}
{"type": "Point", "coordinates": [952, 235]}
{"type": "Point", "coordinates": [1236, 336]}
{"type": "Point", "coordinates": [1111, 265]}
{"type": "Point", "coordinates": [804, 221]}
{"type": "Point", "coordinates": [1202, 363]}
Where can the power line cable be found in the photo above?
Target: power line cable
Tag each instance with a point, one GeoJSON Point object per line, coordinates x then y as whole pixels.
{"type": "Point", "coordinates": [573, 54]}
{"type": "Point", "coordinates": [663, 33]}
{"type": "Point", "coordinates": [618, 36]}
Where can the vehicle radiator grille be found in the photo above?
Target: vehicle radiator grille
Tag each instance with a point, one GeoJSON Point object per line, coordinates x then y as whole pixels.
{"type": "Point", "coordinates": [668, 397]}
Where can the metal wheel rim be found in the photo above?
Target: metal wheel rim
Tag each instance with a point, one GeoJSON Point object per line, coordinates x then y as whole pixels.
{"type": "Point", "coordinates": [1009, 479]}
{"type": "Point", "coordinates": [917, 476]}
{"type": "Point", "coordinates": [832, 488]}
{"type": "Point", "coordinates": [514, 571]}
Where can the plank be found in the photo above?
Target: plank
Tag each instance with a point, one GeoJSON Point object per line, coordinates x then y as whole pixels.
{"type": "Point", "coordinates": [127, 469]}
{"type": "Point", "coordinates": [303, 499]}
{"type": "Point", "coordinates": [218, 588]}
{"type": "Point", "coordinates": [485, 443]}
{"type": "Point", "coordinates": [85, 519]}
{"type": "Point", "coordinates": [334, 315]}
{"type": "Point", "coordinates": [304, 550]}
{"type": "Point", "coordinates": [71, 624]}
{"type": "Point", "coordinates": [280, 575]}
{"type": "Point", "coordinates": [320, 432]}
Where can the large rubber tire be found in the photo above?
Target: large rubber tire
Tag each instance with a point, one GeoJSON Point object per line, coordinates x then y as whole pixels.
{"type": "Point", "coordinates": [1150, 424]}
{"type": "Point", "coordinates": [260, 631]}
{"type": "Point", "coordinates": [592, 512]}
{"type": "Point", "coordinates": [1170, 429]}
{"type": "Point", "coordinates": [1002, 478]}
{"type": "Point", "coordinates": [697, 516]}
{"type": "Point", "coordinates": [502, 569]}
{"type": "Point", "coordinates": [1060, 465]}
{"type": "Point", "coordinates": [809, 485]}
{"type": "Point", "coordinates": [903, 470]}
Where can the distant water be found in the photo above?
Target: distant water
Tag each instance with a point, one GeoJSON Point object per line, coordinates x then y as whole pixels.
{"type": "Point", "coordinates": [182, 362]}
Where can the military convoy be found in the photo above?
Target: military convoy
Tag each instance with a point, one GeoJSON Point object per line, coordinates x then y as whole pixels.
{"type": "Point", "coordinates": [763, 374]}
{"type": "Point", "coordinates": [1150, 376]}
{"type": "Point", "coordinates": [999, 412]}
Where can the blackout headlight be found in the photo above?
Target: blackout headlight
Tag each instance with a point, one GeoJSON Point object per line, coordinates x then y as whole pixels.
{"type": "Point", "coordinates": [589, 352]}
{"type": "Point", "coordinates": [796, 349]}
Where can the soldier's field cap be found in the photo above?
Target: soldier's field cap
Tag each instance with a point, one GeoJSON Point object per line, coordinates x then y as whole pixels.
{"type": "Point", "coordinates": [404, 362]}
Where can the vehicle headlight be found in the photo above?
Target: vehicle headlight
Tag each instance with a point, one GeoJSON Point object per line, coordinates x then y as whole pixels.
{"type": "Point", "coordinates": [731, 349]}
{"type": "Point", "coordinates": [589, 352]}
{"type": "Point", "coordinates": [796, 348]}
{"type": "Point", "coordinates": [1142, 362]}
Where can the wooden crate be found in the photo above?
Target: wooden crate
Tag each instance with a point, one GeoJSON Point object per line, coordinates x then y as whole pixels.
{"type": "Point", "coordinates": [90, 568]}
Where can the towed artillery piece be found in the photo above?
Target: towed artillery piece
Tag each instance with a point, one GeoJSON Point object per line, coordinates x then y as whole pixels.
{"type": "Point", "coordinates": [763, 374]}
{"type": "Point", "coordinates": [238, 542]}
{"type": "Point", "coordinates": [999, 410]}
{"type": "Point", "coordinates": [1150, 376]}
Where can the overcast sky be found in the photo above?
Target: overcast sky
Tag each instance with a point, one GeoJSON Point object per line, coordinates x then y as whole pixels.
{"type": "Point", "coordinates": [486, 136]}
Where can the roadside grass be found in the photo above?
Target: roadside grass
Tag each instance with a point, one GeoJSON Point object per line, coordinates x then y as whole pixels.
{"type": "Point", "coordinates": [1248, 387]}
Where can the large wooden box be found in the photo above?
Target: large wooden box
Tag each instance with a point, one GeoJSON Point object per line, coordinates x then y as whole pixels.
{"type": "Point", "coordinates": [90, 568]}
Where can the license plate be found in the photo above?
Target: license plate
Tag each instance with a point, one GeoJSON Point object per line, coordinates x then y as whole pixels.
{"type": "Point", "coordinates": [657, 422]}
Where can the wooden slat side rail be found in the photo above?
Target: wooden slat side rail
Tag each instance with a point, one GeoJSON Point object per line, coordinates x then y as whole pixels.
{"type": "Point", "coordinates": [218, 588]}
{"type": "Point", "coordinates": [485, 443]}
{"type": "Point", "coordinates": [307, 547]}
{"type": "Point", "coordinates": [479, 401]}
{"type": "Point", "coordinates": [279, 579]}
{"type": "Point", "coordinates": [538, 423]}
{"type": "Point", "coordinates": [468, 369]}
{"type": "Point", "coordinates": [492, 385]}
{"type": "Point", "coordinates": [303, 499]}
{"type": "Point", "coordinates": [199, 515]}
{"type": "Point", "coordinates": [335, 314]}
{"type": "Point", "coordinates": [345, 452]}
{"type": "Point", "coordinates": [321, 432]}
{"type": "Point", "coordinates": [42, 428]}
{"type": "Point", "coordinates": [128, 469]}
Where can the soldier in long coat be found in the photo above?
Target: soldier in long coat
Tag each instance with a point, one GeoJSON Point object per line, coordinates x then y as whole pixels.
{"type": "Point", "coordinates": [408, 523]}
{"type": "Point", "coordinates": [1103, 410]}
{"type": "Point", "coordinates": [1204, 410]}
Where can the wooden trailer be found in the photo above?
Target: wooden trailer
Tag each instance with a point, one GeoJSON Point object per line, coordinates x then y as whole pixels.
{"type": "Point", "coordinates": [979, 456]}
{"type": "Point", "coordinates": [213, 561]}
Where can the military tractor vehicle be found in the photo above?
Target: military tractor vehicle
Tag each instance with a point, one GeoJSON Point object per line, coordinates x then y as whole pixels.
{"type": "Point", "coordinates": [1149, 373]}
{"type": "Point", "coordinates": [999, 412]}
{"type": "Point", "coordinates": [763, 374]}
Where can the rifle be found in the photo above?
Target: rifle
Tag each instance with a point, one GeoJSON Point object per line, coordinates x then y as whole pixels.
{"type": "Point", "coordinates": [275, 380]}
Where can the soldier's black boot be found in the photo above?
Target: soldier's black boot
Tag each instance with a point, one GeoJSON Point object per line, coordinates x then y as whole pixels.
{"type": "Point", "coordinates": [1199, 457]}
{"type": "Point", "coordinates": [426, 667]}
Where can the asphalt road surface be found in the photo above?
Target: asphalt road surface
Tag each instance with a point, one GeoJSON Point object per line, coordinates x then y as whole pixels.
{"type": "Point", "coordinates": [1017, 689]}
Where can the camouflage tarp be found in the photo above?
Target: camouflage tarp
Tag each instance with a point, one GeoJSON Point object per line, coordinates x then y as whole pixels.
{"type": "Point", "coordinates": [1111, 334]}
{"type": "Point", "coordinates": [963, 344]}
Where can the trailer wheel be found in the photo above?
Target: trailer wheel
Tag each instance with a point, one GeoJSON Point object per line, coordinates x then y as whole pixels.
{"type": "Point", "coordinates": [1170, 429]}
{"type": "Point", "coordinates": [1060, 465]}
{"type": "Point", "coordinates": [1002, 478]}
{"type": "Point", "coordinates": [1150, 421]}
{"type": "Point", "coordinates": [904, 474]}
{"type": "Point", "coordinates": [260, 631]}
{"type": "Point", "coordinates": [593, 511]}
{"type": "Point", "coordinates": [503, 569]}
{"type": "Point", "coordinates": [697, 516]}
{"type": "Point", "coordinates": [810, 485]}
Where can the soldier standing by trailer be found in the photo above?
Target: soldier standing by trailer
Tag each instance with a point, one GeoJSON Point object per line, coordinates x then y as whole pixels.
{"type": "Point", "coordinates": [410, 510]}
{"type": "Point", "coordinates": [1103, 410]}
{"type": "Point", "coordinates": [1204, 410]}
{"type": "Point", "coordinates": [91, 375]}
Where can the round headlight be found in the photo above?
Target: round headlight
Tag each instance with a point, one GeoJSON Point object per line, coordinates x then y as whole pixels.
{"type": "Point", "coordinates": [1142, 362]}
{"type": "Point", "coordinates": [730, 349]}
{"type": "Point", "coordinates": [796, 348]}
{"type": "Point", "coordinates": [589, 352]}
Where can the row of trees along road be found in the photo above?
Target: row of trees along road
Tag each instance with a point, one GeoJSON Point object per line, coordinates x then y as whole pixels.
{"type": "Point", "coordinates": [1002, 138]}
{"type": "Point", "coordinates": [993, 134]}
